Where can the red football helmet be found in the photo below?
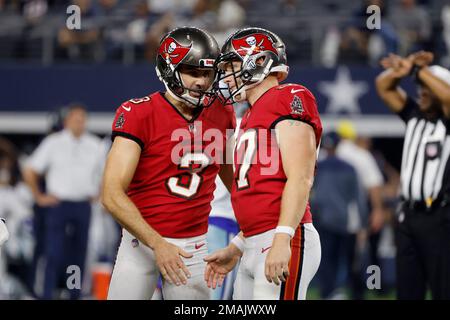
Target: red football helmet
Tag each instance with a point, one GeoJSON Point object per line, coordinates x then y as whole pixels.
{"type": "Point", "coordinates": [186, 46]}
{"type": "Point", "coordinates": [261, 52]}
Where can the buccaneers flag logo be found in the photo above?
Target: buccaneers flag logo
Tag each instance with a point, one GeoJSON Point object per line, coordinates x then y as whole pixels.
{"type": "Point", "coordinates": [172, 50]}
{"type": "Point", "coordinates": [253, 44]}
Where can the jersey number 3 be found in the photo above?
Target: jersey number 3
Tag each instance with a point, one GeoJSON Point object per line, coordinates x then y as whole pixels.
{"type": "Point", "coordinates": [192, 164]}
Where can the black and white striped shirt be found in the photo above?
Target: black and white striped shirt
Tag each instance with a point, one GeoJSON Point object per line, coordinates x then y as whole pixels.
{"type": "Point", "coordinates": [425, 171]}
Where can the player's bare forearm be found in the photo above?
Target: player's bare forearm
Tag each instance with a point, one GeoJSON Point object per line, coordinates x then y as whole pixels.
{"type": "Point", "coordinates": [298, 153]}
{"type": "Point", "coordinates": [293, 202]}
{"type": "Point", "coordinates": [120, 167]}
{"type": "Point", "coordinates": [119, 171]}
{"type": "Point", "coordinates": [128, 216]}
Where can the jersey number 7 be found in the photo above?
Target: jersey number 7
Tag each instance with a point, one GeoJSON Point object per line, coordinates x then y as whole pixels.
{"type": "Point", "coordinates": [248, 139]}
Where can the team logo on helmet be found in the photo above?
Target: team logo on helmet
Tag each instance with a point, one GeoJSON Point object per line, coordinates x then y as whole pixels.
{"type": "Point", "coordinates": [253, 44]}
{"type": "Point", "coordinates": [171, 50]}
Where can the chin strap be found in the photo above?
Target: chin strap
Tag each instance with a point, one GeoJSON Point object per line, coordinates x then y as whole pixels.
{"type": "Point", "coordinates": [185, 97]}
{"type": "Point", "coordinates": [242, 92]}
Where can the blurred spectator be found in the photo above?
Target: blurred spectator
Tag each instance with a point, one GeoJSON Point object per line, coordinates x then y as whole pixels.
{"type": "Point", "coordinates": [362, 45]}
{"type": "Point", "coordinates": [388, 193]}
{"type": "Point", "coordinates": [33, 13]}
{"type": "Point", "coordinates": [445, 16]}
{"type": "Point", "coordinates": [372, 181]}
{"type": "Point", "coordinates": [412, 24]}
{"type": "Point", "coordinates": [143, 17]}
{"type": "Point", "coordinates": [230, 17]}
{"type": "Point", "coordinates": [176, 6]}
{"type": "Point", "coordinates": [13, 208]}
{"type": "Point", "coordinates": [71, 162]}
{"type": "Point", "coordinates": [84, 42]}
{"type": "Point", "coordinates": [367, 169]}
{"type": "Point", "coordinates": [336, 197]}
{"type": "Point", "coordinates": [203, 15]}
{"type": "Point", "coordinates": [104, 239]}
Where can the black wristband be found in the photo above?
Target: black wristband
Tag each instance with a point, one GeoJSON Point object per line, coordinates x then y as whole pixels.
{"type": "Point", "coordinates": [414, 73]}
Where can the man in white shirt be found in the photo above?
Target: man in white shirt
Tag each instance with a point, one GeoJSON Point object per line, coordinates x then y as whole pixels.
{"type": "Point", "coordinates": [368, 172]}
{"type": "Point", "coordinates": [371, 180]}
{"type": "Point", "coordinates": [70, 161]}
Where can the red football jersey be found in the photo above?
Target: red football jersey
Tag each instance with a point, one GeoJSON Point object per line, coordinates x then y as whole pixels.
{"type": "Point", "coordinates": [259, 176]}
{"type": "Point", "coordinates": [174, 180]}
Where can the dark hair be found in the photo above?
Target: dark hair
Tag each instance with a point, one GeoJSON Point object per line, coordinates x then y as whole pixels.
{"type": "Point", "coordinates": [58, 116]}
{"type": "Point", "coordinates": [71, 107]}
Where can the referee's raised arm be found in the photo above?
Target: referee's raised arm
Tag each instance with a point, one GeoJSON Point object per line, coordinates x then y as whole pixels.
{"type": "Point", "coordinates": [422, 242]}
{"type": "Point", "coordinates": [387, 83]}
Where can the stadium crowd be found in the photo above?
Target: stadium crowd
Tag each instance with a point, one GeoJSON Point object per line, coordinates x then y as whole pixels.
{"type": "Point", "coordinates": [128, 31]}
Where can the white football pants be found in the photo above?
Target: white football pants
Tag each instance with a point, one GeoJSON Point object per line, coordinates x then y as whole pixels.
{"type": "Point", "coordinates": [251, 283]}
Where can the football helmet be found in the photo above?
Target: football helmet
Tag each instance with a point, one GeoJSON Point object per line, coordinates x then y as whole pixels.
{"type": "Point", "coordinates": [186, 46]}
{"type": "Point", "coordinates": [260, 52]}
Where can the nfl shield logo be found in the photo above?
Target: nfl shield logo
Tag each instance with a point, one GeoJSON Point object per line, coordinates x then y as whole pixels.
{"type": "Point", "coordinates": [134, 243]}
{"type": "Point", "coordinates": [432, 150]}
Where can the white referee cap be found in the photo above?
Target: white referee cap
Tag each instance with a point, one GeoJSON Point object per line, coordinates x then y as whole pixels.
{"type": "Point", "coordinates": [441, 73]}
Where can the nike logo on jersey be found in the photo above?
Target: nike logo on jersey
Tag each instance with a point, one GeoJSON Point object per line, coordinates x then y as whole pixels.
{"type": "Point", "coordinates": [265, 249]}
{"type": "Point", "coordinates": [127, 108]}
{"type": "Point", "coordinates": [298, 90]}
{"type": "Point", "coordinates": [198, 246]}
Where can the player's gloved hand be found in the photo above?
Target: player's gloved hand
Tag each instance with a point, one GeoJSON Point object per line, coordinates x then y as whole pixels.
{"type": "Point", "coordinates": [278, 257]}
{"type": "Point", "coordinates": [219, 264]}
{"type": "Point", "coordinates": [169, 262]}
{"type": "Point", "coordinates": [4, 234]}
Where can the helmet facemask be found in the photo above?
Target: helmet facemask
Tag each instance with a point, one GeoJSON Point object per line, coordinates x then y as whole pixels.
{"type": "Point", "coordinates": [261, 52]}
{"type": "Point", "coordinates": [180, 92]}
{"type": "Point", "coordinates": [253, 70]}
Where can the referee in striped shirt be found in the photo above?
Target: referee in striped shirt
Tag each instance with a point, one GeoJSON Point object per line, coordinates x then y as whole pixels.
{"type": "Point", "coordinates": [423, 228]}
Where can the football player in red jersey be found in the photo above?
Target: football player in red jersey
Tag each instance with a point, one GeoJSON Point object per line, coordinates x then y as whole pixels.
{"type": "Point", "coordinates": [160, 172]}
{"type": "Point", "coordinates": [278, 243]}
